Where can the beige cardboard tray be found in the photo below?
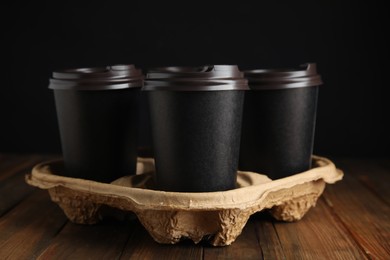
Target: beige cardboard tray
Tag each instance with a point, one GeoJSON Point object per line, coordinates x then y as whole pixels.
{"type": "Point", "coordinates": [172, 216]}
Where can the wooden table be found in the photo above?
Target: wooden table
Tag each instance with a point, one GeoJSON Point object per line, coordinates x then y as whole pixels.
{"type": "Point", "coordinates": [351, 221]}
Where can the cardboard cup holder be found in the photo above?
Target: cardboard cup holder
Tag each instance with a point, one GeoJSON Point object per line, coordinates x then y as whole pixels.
{"type": "Point", "coordinates": [169, 217]}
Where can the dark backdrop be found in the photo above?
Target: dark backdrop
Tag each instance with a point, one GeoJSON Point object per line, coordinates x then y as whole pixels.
{"type": "Point", "coordinates": [346, 39]}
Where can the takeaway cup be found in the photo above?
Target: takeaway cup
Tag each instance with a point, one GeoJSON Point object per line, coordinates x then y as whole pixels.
{"type": "Point", "coordinates": [97, 110]}
{"type": "Point", "coordinates": [279, 120]}
{"type": "Point", "coordinates": [195, 115]}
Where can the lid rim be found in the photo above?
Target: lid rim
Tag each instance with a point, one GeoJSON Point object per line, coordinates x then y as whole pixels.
{"type": "Point", "coordinates": [200, 78]}
{"type": "Point", "coordinates": [96, 87]}
{"type": "Point", "coordinates": [285, 86]}
{"type": "Point", "coordinates": [267, 79]}
{"type": "Point", "coordinates": [97, 78]}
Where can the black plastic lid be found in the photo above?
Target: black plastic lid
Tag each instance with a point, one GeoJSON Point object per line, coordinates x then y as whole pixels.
{"type": "Point", "coordinates": [98, 78]}
{"type": "Point", "coordinates": [304, 76]}
{"type": "Point", "coordinates": [203, 78]}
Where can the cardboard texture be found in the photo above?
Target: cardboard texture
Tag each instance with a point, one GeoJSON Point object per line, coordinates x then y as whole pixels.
{"type": "Point", "coordinates": [172, 216]}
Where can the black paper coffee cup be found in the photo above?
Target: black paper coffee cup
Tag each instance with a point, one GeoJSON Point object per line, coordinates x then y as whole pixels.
{"type": "Point", "coordinates": [97, 111]}
{"type": "Point", "coordinates": [279, 121]}
{"type": "Point", "coordinates": [196, 115]}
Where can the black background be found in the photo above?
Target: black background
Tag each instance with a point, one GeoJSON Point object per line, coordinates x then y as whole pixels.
{"type": "Point", "coordinates": [346, 39]}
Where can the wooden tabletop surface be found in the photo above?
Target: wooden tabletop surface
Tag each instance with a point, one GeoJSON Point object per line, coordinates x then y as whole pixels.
{"type": "Point", "coordinates": [351, 221]}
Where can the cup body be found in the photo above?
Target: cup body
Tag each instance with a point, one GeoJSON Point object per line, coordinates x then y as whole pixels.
{"type": "Point", "coordinates": [196, 138]}
{"type": "Point", "coordinates": [279, 122]}
{"type": "Point", "coordinates": [196, 128]}
{"type": "Point", "coordinates": [98, 124]}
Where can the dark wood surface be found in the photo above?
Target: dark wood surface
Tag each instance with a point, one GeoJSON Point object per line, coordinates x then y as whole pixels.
{"type": "Point", "coordinates": [351, 221]}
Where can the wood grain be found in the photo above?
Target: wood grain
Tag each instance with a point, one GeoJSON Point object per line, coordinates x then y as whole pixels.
{"type": "Point", "coordinates": [269, 242]}
{"type": "Point", "coordinates": [142, 246]}
{"type": "Point", "coordinates": [101, 241]}
{"type": "Point", "coordinates": [309, 239]}
{"type": "Point", "coordinates": [372, 173]}
{"type": "Point", "coordinates": [8, 160]}
{"type": "Point", "coordinates": [246, 246]}
{"type": "Point", "coordinates": [15, 165]}
{"type": "Point", "coordinates": [365, 216]}
{"type": "Point", "coordinates": [14, 189]}
{"type": "Point", "coordinates": [28, 228]}
{"type": "Point", "coordinates": [351, 221]}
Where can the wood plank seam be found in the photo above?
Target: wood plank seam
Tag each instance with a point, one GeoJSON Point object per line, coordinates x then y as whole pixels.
{"type": "Point", "coordinates": [372, 190]}
{"type": "Point", "coordinates": [61, 228]}
{"type": "Point", "coordinates": [23, 165]}
{"type": "Point", "coordinates": [126, 243]}
{"type": "Point", "coordinates": [54, 236]}
{"type": "Point", "coordinates": [131, 238]}
{"type": "Point", "coordinates": [258, 242]}
{"type": "Point", "coordinates": [8, 210]}
{"type": "Point", "coordinates": [369, 173]}
{"type": "Point", "coordinates": [4, 212]}
{"type": "Point", "coordinates": [29, 228]}
{"type": "Point", "coordinates": [280, 242]}
{"type": "Point", "coordinates": [344, 227]}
